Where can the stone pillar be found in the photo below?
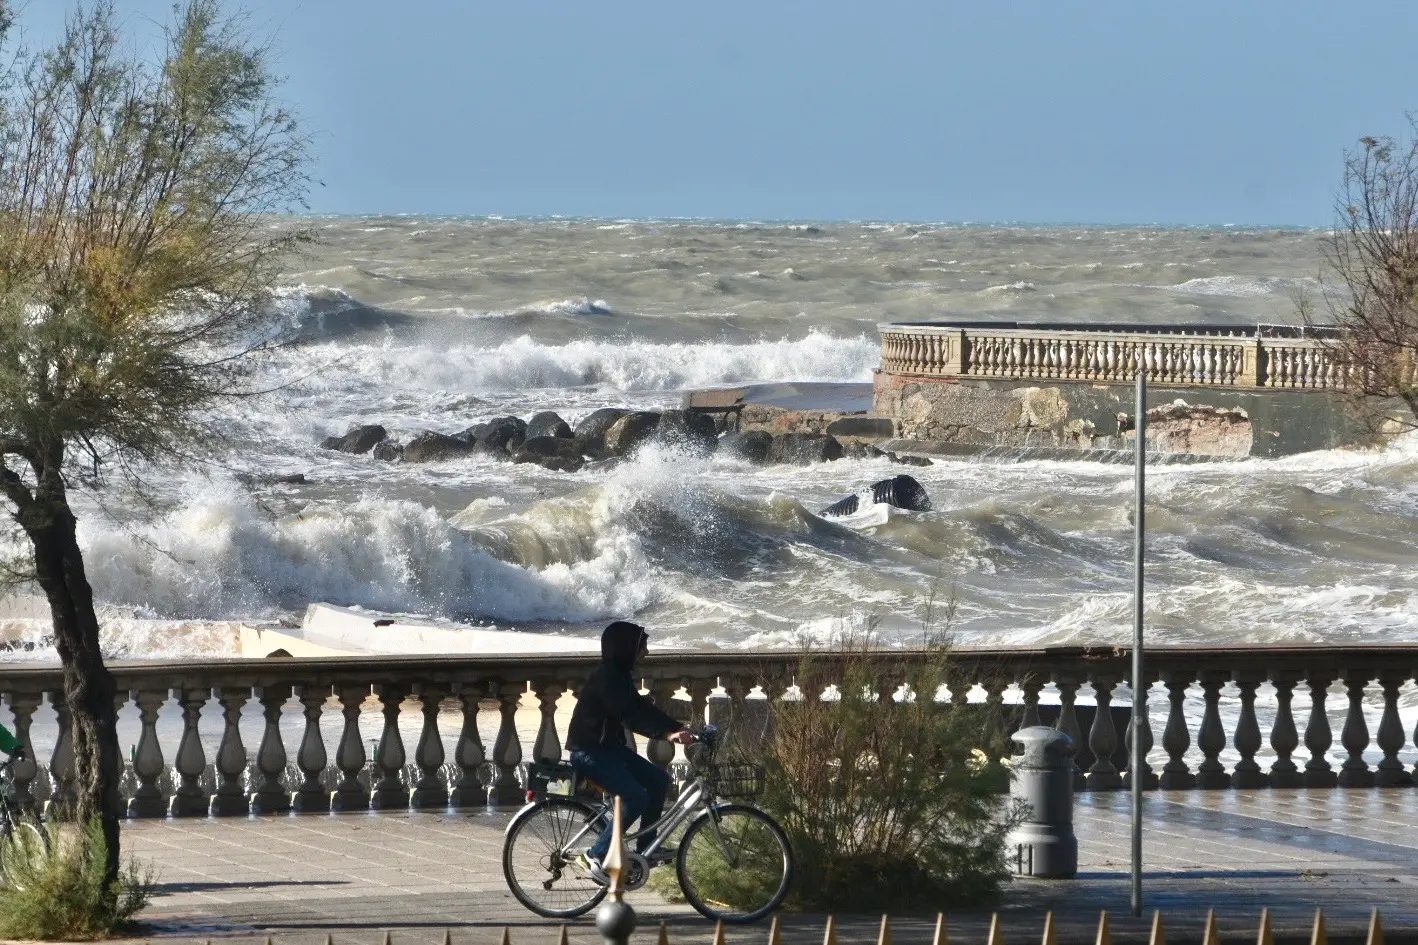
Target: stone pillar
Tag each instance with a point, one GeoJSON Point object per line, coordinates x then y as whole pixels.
{"type": "Point", "coordinates": [507, 749]}
{"type": "Point", "coordinates": [548, 744]}
{"type": "Point", "coordinates": [430, 792]}
{"type": "Point", "coordinates": [390, 791]}
{"type": "Point", "coordinates": [311, 797]}
{"type": "Point", "coordinates": [1391, 772]}
{"type": "Point", "coordinates": [1284, 738]}
{"type": "Point", "coordinates": [230, 799]}
{"type": "Point", "coordinates": [189, 800]}
{"type": "Point", "coordinates": [148, 800]}
{"type": "Point", "coordinates": [1355, 737]}
{"type": "Point", "coordinates": [469, 791]}
{"type": "Point", "coordinates": [1149, 777]}
{"type": "Point", "coordinates": [270, 796]}
{"type": "Point", "coordinates": [1068, 719]}
{"type": "Point", "coordinates": [350, 794]}
{"type": "Point", "coordinates": [1247, 773]}
{"type": "Point", "coordinates": [61, 763]}
{"type": "Point", "coordinates": [1211, 739]}
{"type": "Point", "coordinates": [1318, 772]}
{"type": "Point", "coordinates": [1103, 738]}
{"type": "Point", "coordinates": [24, 704]}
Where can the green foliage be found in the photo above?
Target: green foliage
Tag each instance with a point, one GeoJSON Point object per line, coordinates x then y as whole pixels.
{"type": "Point", "coordinates": [890, 798]}
{"type": "Point", "coordinates": [59, 891]}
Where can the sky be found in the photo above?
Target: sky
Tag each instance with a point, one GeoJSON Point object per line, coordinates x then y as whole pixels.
{"type": "Point", "coordinates": [1110, 111]}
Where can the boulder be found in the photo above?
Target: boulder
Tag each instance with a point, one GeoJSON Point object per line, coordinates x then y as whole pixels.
{"type": "Point", "coordinates": [750, 445]}
{"type": "Point", "coordinates": [389, 451]}
{"type": "Point", "coordinates": [551, 452]}
{"type": "Point", "coordinates": [687, 430]}
{"type": "Point", "coordinates": [628, 433]}
{"type": "Point", "coordinates": [429, 446]}
{"type": "Point", "coordinates": [548, 423]}
{"type": "Point", "coordinates": [591, 431]}
{"type": "Point", "coordinates": [502, 436]}
{"type": "Point", "coordinates": [358, 440]}
{"type": "Point", "coordinates": [856, 449]}
{"type": "Point", "coordinates": [804, 449]}
{"type": "Point", "coordinates": [910, 460]}
{"type": "Point", "coordinates": [473, 433]}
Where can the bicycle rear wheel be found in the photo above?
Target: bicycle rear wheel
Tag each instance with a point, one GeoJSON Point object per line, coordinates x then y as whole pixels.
{"type": "Point", "coordinates": [734, 863]}
{"type": "Point", "coordinates": [21, 837]}
{"type": "Point", "coordinates": [542, 842]}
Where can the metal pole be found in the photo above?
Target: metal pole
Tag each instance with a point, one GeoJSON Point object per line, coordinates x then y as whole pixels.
{"type": "Point", "coordinates": [1139, 687]}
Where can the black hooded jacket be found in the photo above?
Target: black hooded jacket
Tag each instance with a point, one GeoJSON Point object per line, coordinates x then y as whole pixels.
{"type": "Point", "coordinates": [610, 700]}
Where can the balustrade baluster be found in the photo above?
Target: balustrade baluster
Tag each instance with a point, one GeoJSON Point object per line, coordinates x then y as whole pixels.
{"type": "Point", "coordinates": [548, 743]}
{"type": "Point", "coordinates": [430, 791]}
{"type": "Point", "coordinates": [1103, 738]}
{"type": "Point", "coordinates": [660, 752]}
{"type": "Point", "coordinates": [61, 762]}
{"type": "Point", "coordinates": [1149, 777]}
{"type": "Point", "coordinates": [312, 797]}
{"type": "Point", "coordinates": [270, 796]}
{"type": "Point", "coordinates": [1318, 772]}
{"type": "Point", "coordinates": [189, 800]}
{"type": "Point", "coordinates": [1391, 772]}
{"type": "Point", "coordinates": [389, 791]}
{"type": "Point", "coordinates": [469, 791]}
{"type": "Point", "coordinates": [1029, 689]}
{"type": "Point", "coordinates": [1068, 720]}
{"type": "Point", "coordinates": [147, 800]}
{"type": "Point", "coordinates": [24, 704]}
{"type": "Point", "coordinates": [1284, 739]}
{"type": "Point", "coordinates": [507, 748]}
{"type": "Point", "coordinates": [1247, 773]}
{"type": "Point", "coordinates": [230, 798]}
{"type": "Point", "coordinates": [350, 793]}
{"type": "Point", "coordinates": [1211, 737]}
{"type": "Point", "coordinates": [1354, 772]}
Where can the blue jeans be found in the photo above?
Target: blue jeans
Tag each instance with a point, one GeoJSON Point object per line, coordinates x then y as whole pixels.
{"type": "Point", "coordinates": [640, 786]}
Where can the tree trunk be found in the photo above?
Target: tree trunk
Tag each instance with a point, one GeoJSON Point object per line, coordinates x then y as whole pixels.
{"type": "Point", "coordinates": [89, 688]}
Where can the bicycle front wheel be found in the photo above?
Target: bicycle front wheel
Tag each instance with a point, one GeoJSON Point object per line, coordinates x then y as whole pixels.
{"type": "Point", "coordinates": [24, 842]}
{"type": "Point", "coordinates": [734, 863]}
{"type": "Point", "coordinates": [537, 859]}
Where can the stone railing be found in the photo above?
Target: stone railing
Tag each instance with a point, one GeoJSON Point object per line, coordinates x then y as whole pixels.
{"type": "Point", "coordinates": [1278, 357]}
{"type": "Point", "coordinates": [297, 713]}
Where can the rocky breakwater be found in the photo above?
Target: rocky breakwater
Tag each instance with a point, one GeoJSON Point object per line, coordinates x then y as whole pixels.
{"type": "Point", "coordinates": [603, 437]}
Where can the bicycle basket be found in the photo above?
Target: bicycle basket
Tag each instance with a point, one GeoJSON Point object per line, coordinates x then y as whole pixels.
{"type": "Point", "coordinates": [735, 780]}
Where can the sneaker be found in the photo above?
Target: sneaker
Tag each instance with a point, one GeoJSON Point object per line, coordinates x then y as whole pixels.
{"type": "Point", "coordinates": [662, 855]}
{"type": "Point", "coordinates": [592, 868]}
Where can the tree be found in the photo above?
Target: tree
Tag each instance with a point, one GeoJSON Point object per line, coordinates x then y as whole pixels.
{"type": "Point", "coordinates": [1371, 274]}
{"type": "Point", "coordinates": [140, 225]}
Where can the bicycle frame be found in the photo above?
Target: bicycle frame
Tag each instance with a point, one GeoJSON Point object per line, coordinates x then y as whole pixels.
{"type": "Point", "coordinates": [692, 799]}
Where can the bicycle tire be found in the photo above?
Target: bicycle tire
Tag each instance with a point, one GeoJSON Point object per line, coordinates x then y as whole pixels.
{"type": "Point", "coordinates": [757, 836]}
{"type": "Point", "coordinates": [533, 849]}
{"type": "Point", "coordinates": [27, 831]}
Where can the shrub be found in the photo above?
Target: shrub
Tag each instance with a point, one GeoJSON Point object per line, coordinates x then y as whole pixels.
{"type": "Point", "coordinates": [891, 799]}
{"type": "Point", "coordinates": [58, 892]}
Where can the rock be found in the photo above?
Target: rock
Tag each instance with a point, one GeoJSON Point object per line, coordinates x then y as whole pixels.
{"type": "Point", "coordinates": [357, 440]}
{"type": "Point", "coordinates": [389, 451]}
{"type": "Point", "coordinates": [591, 431]}
{"type": "Point", "coordinates": [910, 460]}
{"type": "Point", "coordinates": [429, 447]}
{"type": "Point", "coordinates": [473, 433]}
{"type": "Point", "coordinates": [551, 452]}
{"type": "Point", "coordinates": [750, 445]}
{"type": "Point", "coordinates": [880, 428]}
{"type": "Point", "coordinates": [856, 449]}
{"type": "Point", "coordinates": [548, 423]}
{"type": "Point", "coordinates": [804, 449]}
{"type": "Point", "coordinates": [502, 435]}
{"type": "Point", "coordinates": [628, 433]}
{"type": "Point", "coordinates": [687, 430]}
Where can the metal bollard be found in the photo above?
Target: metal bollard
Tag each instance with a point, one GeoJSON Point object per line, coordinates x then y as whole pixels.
{"type": "Point", "coordinates": [615, 919]}
{"type": "Point", "coordinates": [1046, 845]}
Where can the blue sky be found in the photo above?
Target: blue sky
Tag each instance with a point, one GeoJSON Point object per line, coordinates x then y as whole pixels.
{"type": "Point", "coordinates": [1112, 111]}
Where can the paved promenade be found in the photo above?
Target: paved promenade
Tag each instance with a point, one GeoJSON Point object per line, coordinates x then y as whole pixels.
{"type": "Point", "coordinates": [356, 876]}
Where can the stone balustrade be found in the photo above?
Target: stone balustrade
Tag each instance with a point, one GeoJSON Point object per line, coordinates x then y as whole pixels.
{"type": "Point", "coordinates": [1276, 357]}
{"type": "Point", "coordinates": [301, 701]}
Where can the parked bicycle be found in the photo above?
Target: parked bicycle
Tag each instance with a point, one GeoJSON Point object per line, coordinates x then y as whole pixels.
{"type": "Point", "coordinates": [21, 825]}
{"type": "Point", "coordinates": [725, 844]}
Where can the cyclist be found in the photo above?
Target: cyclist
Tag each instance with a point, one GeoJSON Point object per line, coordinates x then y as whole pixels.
{"type": "Point", "coordinates": [609, 703]}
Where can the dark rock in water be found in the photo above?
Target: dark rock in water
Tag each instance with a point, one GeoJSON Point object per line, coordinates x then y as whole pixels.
{"type": "Point", "coordinates": [856, 449]}
{"type": "Point", "coordinates": [550, 452]}
{"type": "Point", "coordinates": [548, 423]}
{"type": "Point", "coordinates": [291, 479]}
{"type": "Point", "coordinates": [502, 436]}
{"type": "Point", "coordinates": [357, 440]}
{"type": "Point", "coordinates": [389, 451]}
{"type": "Point", "coordinates": [870, 427]}
{"type": "Point", "coordinates": [751, 445]}
{"type": "Point", "coordinates": [804, 449]}
{"type": "Point", "coordinates": [473, 433]}
{"type": "Point", "coordinates": [591, 431]}
{"type": "Point", "coordinates": [429, 446]}
{"type": "Point", "coordinates": [910, 460]}
{"type": "Point", "coordinates": [628, 433]}
{"type": "Point", "coordinates": [688, 430]}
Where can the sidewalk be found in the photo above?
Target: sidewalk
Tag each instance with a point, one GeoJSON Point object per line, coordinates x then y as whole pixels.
{"type": "Point", "coordinates": [418, 876]}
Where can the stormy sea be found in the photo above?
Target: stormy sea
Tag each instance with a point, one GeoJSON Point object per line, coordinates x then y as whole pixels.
{"type": "Point", "coordinates": [439, 323]}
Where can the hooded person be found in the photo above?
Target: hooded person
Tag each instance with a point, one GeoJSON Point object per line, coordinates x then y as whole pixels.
{"type": "Point", "coordinates": [607, 704]}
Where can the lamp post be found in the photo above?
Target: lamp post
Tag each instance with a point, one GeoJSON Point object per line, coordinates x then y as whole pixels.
{"type": "Point", "coordinates": [1139, 686]}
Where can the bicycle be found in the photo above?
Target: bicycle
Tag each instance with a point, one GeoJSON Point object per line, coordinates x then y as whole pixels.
{"type": "Point", "coordinates": [22, 826]}
{"type": "Point", "coordinates": [721, 842]}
